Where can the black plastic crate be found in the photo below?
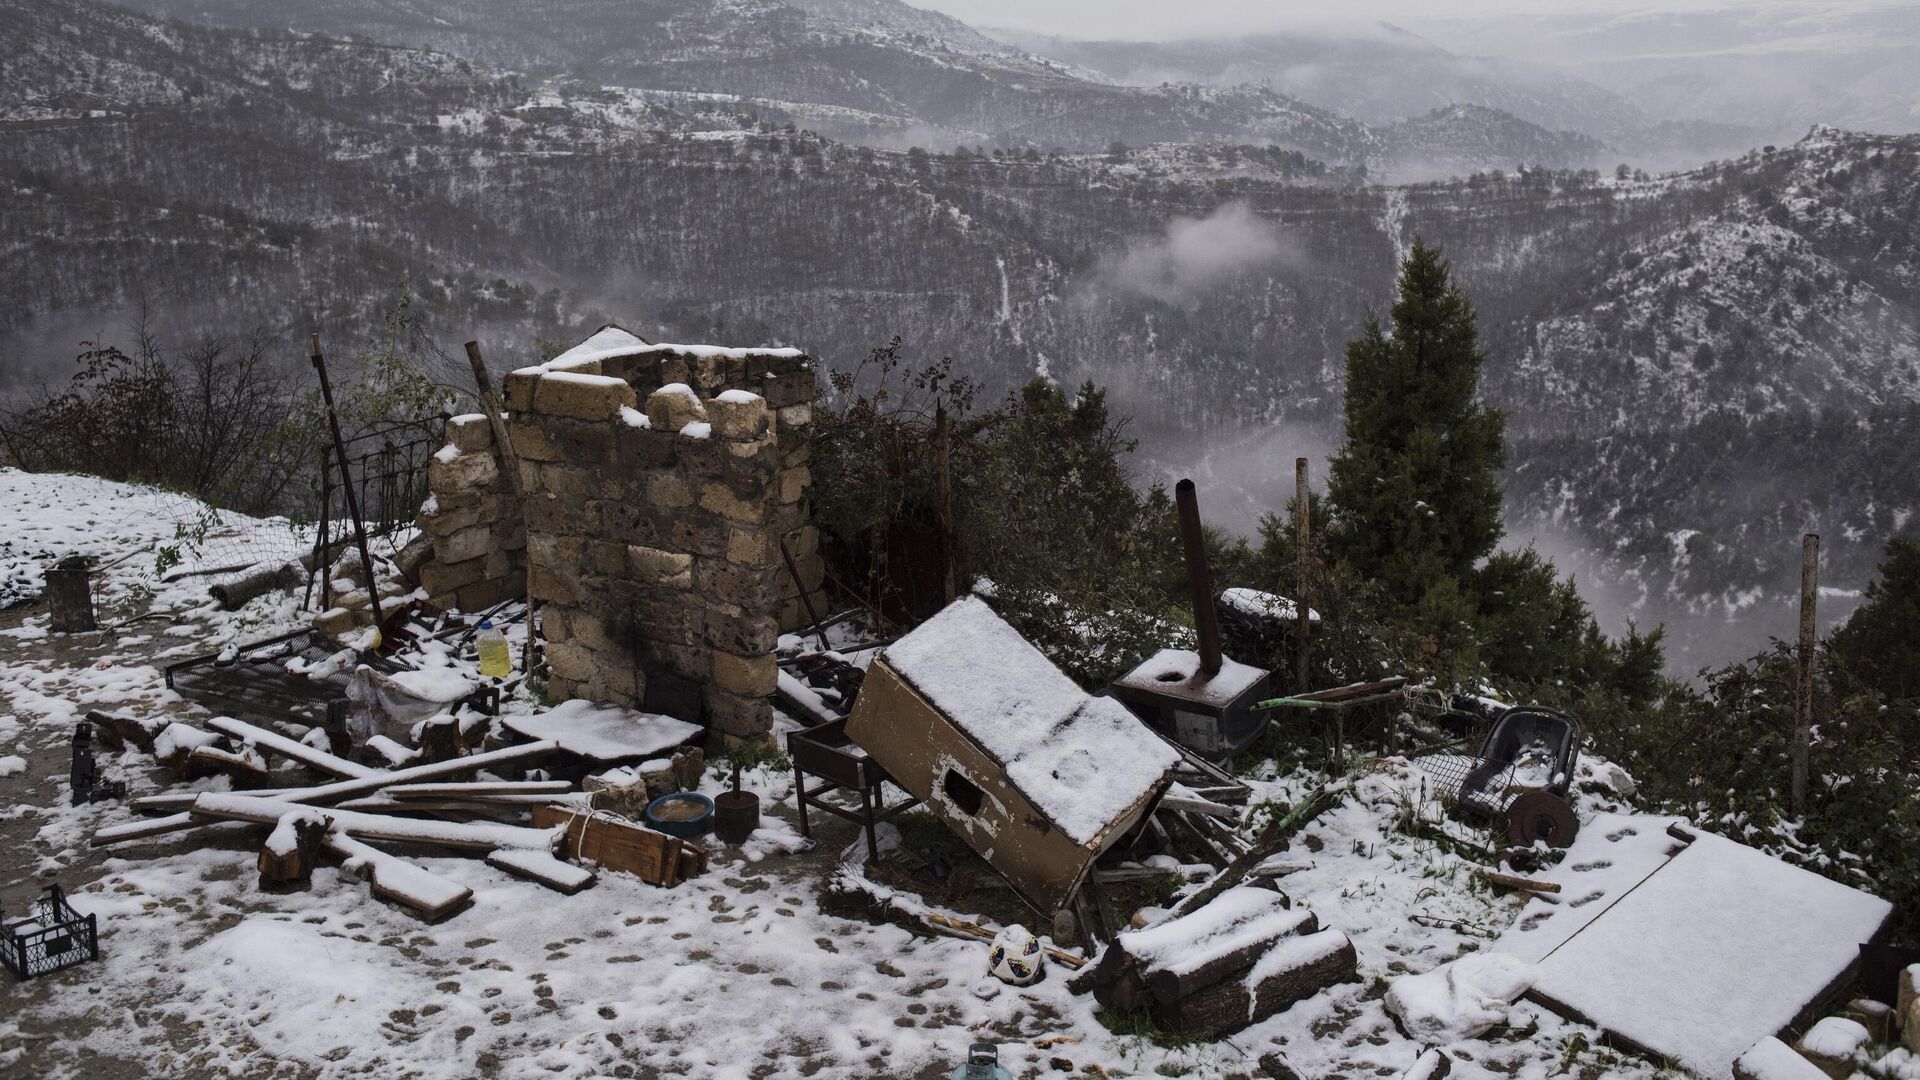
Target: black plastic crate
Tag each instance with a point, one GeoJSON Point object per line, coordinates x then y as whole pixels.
{"type": "Point", "coordinates": [51, 938]}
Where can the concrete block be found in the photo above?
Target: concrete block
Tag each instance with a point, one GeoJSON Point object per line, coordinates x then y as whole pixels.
{"type": "Point", "coordinates": [530, 444]}
{"type": "Point", "coordinates": [722, 500]}
{"type": "Point", "coordinates": [674, 406]}
{"type": "Point", "coordinates": [742, 717]}
{"type": "Point", "coordinates": [519, 389]}
{"type": "Point", "coordinates": [667, 569]}
{"type": "Point", "coordinates": [437, 576]}
{"type": "Point", "coordinates": [739, 416]}
{"type": "Point", "coordinates": [669, 489]}
{"type": "Point", "coordinates": [472, 542]}
{"type": "Point", "coordinates": [581, 397]}
{"type": "Point", "coordinates": [461, 472]}
{"type": "Point", "coordinates": [747, 676]}
{"type": "Point", "coordinates": [470, 433]}
{"type": "Point", "coordinates": [572, 661]}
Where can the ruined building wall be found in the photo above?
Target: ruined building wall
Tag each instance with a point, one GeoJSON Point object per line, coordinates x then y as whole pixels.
{"type": "Point", "coordinates": [660, 483]}
{"type": "Point", "coordinates": [479, 542]}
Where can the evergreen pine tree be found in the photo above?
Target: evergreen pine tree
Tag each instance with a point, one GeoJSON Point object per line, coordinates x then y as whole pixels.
{"type": "Point", "coordinates": [1415, 489]}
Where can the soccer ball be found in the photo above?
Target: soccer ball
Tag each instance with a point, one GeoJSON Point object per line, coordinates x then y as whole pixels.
{"type": "Point", "coordinates": [1015, 957]}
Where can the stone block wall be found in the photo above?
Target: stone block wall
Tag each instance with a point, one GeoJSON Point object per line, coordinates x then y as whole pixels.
{"type": "Point", "coordinates": [478, 540]}
{"type": "Point", "coordinates": [661, 483]}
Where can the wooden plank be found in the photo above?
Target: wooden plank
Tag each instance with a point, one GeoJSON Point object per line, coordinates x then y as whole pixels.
{"type": "Point", "coordinates": [534, 866]}
{"type": "Point", "coordinates": [462, 789]}
{"type": "Point", "coordinates": [225, 806]}
{"type": "Point", "coordinates": [336, 792]}
{"type": "Point", "coordinates": [292, 749]}
{"type": "Point", "coordinates": [246, 773]}
{"type": "Point", "coordinates": [422, 891]}
{"type": "Point", "coordinates": [618, 844]}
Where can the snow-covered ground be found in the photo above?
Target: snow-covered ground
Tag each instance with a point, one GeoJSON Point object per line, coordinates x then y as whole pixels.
{"type": "Point", "coordinates": [737, 973]}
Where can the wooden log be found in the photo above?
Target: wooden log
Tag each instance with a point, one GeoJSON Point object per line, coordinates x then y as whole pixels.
{"type": "Point", "coordinates": [233, 590]}
{"type": "Point", "coordinates": [618, 844]}
{"type": "Point", "coordinates": [421, 891]}
{"type": "Point", "coordinates": [440, 740]}
{"type": "Point", "coordinates": [1230, 958]}
{"type": "Point", "coordinates": [116, 730]}
{"type": "Point", "coordinates": [1432, 1064]}
{"type": "Point", "coordinates": [1290, 972]}
{"type": "Point", "coordinates": [247, 773]}
{"type": "Point", "coordinates": [543, 869]}
{"type": "Point", "coordinates": [1510, 881]}
{"type": "Point", "coordinates": [291, 749]}
{"type": "Point", "coordinates": [289, 855]}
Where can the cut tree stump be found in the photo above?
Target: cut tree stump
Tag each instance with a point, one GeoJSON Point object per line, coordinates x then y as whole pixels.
{"type": "Point", "coordinates": [288, 857]}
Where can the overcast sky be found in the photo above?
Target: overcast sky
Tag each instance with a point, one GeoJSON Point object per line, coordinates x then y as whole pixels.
{"type": "Point", "coordinates": [1110, 19]}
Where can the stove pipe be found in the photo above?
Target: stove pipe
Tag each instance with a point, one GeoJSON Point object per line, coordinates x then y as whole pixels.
{"type": "Point", "coordinates": [1205, 626]}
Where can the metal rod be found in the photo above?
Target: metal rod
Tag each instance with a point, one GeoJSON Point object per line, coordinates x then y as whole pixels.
{"type": "Point", "coordinates": [509, 464]}
{"type": "Point", "coordinates": [806, 598]}
{"type": "Point", "coordinates": [1803, 695]}
{"type": "Point", "coordinates": [1303, 531]}
{"type": "Point", "coordinates": [1205, 626]}
{"type": "Point", "coordinates": [346, 484]}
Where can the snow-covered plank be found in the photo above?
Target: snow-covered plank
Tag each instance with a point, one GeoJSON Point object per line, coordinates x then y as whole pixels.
{"type": "Point", "coordinates": [291, 749]}
{"type": "Point", "coordinates": [539, 867]}
{"type": "Point", "coordinates": [393, 878]}
{"type": "Point", "coordinates": [482, 836]}
{"type": "Point", "coordinates": [462, 789]}
{"type": "Point", "coordinates": [339, 791]}
{"type": "Point", "coordinates": [1720, 947]}
{"type": "Point", "coordinates": [603, 732]}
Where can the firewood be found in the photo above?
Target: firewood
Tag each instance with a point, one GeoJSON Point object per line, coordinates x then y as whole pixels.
{"type": "Point", "coordinates": [1509, 881]}
{"type": "Point", "coordinates": [289, 855]}
{"type": "Point", "coordinates": [440, 740]}
{"type": "Point", "coordinates": [1290, 972]}
{"type": "Point", "coordinates": [1170, 986]}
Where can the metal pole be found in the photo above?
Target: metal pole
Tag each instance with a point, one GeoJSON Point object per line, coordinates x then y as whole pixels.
{"type": "Point", "coordinates": [1206, 628]}
{"type": "Point", "coordinates": [1803, 695]}
{"type": "Point", "coordinates": [1303, 531]}
{"type": "Point", "coordinates": [346, 483]}
{"type": "Point", "coordinates": [509, 464]}
{"type": "Point", "coordinates": [943, 483]}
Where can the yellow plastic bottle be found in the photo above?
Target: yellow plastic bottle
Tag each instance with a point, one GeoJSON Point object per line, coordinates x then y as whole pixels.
{"type": "Point", "coordinates": [496, 661]}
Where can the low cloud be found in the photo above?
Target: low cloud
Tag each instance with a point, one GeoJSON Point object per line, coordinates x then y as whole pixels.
{"type": "Point", "coordinates": [1193, 256]}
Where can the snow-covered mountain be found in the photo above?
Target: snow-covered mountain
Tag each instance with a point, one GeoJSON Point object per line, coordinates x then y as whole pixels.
{"type": "Point", "coordinates": [232, 179]}
{"type": "Point", "coordinates": [882, 73]}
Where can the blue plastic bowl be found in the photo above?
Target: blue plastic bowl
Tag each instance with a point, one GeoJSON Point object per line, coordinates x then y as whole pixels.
{"type": "Point", "coordinates": [682, 824]}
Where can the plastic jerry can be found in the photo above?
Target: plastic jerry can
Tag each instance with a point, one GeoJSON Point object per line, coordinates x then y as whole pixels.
{"type": "Point", "coordinates": [496, 661]}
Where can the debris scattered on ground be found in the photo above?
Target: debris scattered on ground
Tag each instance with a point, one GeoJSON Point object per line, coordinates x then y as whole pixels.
{"type": "Point", "coordinates": [1036, 775]}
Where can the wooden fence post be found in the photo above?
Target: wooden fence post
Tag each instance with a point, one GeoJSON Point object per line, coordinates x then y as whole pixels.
{"type": "Point", "coordinates": [1303, 531]}
{"type": "Point", "coordinates": [1803, 685]}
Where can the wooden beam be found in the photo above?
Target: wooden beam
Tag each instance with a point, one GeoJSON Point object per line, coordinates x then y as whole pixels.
{"type": "Point", "coordinates": [341, 791]}
{"type": "Point", "coordinates": [427, 894]}
{"type": "Point", "coordinates": [224, 806]}
{"type": "Point", "coordinates": [543, 869]}
{"type": "Point", "coordinates": [291, 749]}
